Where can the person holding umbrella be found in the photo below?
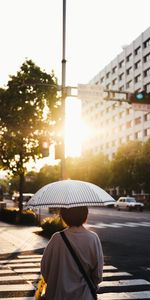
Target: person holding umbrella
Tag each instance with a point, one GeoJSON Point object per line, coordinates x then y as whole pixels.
{"type": "Point", "coordinates": [72, 263]}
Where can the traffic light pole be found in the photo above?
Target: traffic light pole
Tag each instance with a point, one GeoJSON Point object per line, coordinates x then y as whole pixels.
{"type": "Point", "coordinates": [63, 96]}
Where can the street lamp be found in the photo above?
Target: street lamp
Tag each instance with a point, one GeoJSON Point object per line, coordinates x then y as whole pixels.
{"type": "Point", "coordinates": [63, 166]}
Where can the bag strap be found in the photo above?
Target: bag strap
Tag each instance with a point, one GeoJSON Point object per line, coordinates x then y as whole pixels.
{"type": "Point", "coordinates": [88, 280]}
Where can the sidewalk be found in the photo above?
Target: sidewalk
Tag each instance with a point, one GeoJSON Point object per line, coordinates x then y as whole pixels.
{"type": "Point", "coordinates": [15, 239]}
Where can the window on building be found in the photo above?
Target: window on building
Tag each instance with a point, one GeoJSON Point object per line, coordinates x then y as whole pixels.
{"type": "Point", "coordinates": [129, 84]}
{"type": "Point", "coordinates": [146, 43]}
{"type": "Point", "coordinates": [121, 64]}
{"type": "Point", "coordinates": [121, 88]}
{"type": "Point", "coordinates": [146, 58]}
{"type": "Point", "coordinates": [137, 64]}
{"type": "Point", "coordinates": [147, 132]}
{"type": "Point", "coordinates": [102, 79]}
{"type": "Point", "coordinates": [128, 111]}
{"type": "Point", "coordinates": [114, 81]}
{"type": "Point", "coordinates": [121, 76]}
{"type": "Point", "coordinates": [137, 121]}
{"type": "Point", "coordinates": [108, 86]}
{"type": "Point", "coordinates": [137, 78]}
{"type": "Point", "coordinates": [147, 117]}
{"type": "Point", "coordinates": [147, 72]}
{"type": "Point", "coordinates": [129, 124]}
{"type": "Point", "coordinates": [139, 134]}
{"type": "Point", "coordinates": [128, 71]}
{"type": "Point", "coordinates": [107, 74]}
{"type": "Point", "coordinates": [147, 87]}
{"type": "Point", "coordinates": [137, 50]}
{"type": "Point", "coordinates": [114, 69]}
{"type": "Point", "coordinates": [128, 58]}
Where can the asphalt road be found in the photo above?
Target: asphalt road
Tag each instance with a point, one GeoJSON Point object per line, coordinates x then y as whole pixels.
{"type": "Point", "coordinates": [125, 238]}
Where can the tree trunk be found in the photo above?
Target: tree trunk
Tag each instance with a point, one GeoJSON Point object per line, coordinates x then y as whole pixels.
{"type": "Point", "coordinates": [21, 186]}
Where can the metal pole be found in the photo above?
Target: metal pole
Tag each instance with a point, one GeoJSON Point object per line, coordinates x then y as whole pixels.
{"type": "Point", "coordinates": [63, 167]}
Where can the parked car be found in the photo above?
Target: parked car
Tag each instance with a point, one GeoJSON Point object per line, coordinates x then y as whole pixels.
{"type": "Point", "coordinates": [26, 198]}
{"type": "Point", "coordinates": [129, 203]}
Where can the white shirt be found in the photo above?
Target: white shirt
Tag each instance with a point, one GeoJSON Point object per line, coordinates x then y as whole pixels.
{"type": "Point", "coordinates": [60, 271]}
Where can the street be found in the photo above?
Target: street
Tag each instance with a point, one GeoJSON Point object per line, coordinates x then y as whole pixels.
{"type": "Point", "coordinates": [125, 236]}
{"type": "Point", "coordinates": [126, 245]}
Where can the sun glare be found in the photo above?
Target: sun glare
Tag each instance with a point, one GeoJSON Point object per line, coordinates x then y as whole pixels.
{"type": "Point", "coordinates": [73, 132]}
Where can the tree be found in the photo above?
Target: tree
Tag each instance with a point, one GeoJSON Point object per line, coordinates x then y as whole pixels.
{"type": "Point", "coordinates": [28, 107]}
{"type": "Point", "coordinates": [144, 167]}
{"type": "Point", "coordinates": [125, 165]}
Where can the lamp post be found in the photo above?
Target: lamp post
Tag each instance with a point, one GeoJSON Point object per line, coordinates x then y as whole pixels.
{"type": "Point", "coordinates": [63, 166]}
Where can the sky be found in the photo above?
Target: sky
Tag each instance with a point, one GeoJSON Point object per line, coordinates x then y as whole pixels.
{"type": "Point", "coordinates": [96, 30]}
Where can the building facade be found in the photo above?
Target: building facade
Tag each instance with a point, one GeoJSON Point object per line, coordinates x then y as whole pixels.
{"type": "Point", "coordinates": [112, 123]}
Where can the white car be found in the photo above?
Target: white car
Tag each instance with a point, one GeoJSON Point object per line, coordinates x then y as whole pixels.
{"type": "Point", "coordinates": [129, 203]}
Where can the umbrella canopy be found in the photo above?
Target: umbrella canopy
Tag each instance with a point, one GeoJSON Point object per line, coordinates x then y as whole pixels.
{"type": "Point", "coordinates": [70, 193]}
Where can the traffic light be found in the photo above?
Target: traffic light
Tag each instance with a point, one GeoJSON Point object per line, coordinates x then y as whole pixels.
{"type": "Point", "coordinates": [139, 97]}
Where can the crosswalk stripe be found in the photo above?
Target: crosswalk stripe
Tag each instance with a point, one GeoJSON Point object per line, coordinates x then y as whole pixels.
{"type": "Point", "coordinates": [29, 270]}
{"type": "Point", "coordinates": [17, 287]}
{"type": "Point", "coordinates": [18, 298]}
{"type": "Point", "coordinates": [110, 274]}
{"type": "Point", "coordinates": [20, 260]}
{"type": "Point", "coordinates": [30, 256]}
{"type": "Point", "coordinates": [109, 267]}
{"type": "Point", "coordinates": [124, 282]}
{"type": "Point", "coordinates": [123, 296]}
{"type": "Point", "coordinates": [25, 265]}
{"type": "Point", "coordinates": [25, 270]}
{"type": "Point", "coordinates": [25, 277]}
{"type": "Point", "coordinates": [118, 225]}
{"type": "Point", "coordinates": [6, 271]}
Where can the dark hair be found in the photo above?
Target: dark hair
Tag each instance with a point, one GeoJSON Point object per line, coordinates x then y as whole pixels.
{"type": "Point", "coordinates": [74, 216]}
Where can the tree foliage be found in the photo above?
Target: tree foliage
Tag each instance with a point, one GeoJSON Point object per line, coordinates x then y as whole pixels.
{"type": "Point", "coordinates": [23, 125]}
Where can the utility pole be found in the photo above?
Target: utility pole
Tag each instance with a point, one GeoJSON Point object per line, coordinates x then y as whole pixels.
{"type": "Point", "coordinates": [63, 91]}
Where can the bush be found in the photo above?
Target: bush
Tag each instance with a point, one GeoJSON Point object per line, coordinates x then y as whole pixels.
{"type": "Point", "coordinates": [51, 225]}
{"type": "Point", "coordinates": [12, 216]}
{"type": "Point", "coordinates": [28, 217]}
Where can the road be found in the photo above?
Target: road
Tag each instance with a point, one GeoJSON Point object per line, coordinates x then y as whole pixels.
{"type": "Point", "coordinates": [126, 244]}
{"type": "Point", "coordinates": [125, 237]}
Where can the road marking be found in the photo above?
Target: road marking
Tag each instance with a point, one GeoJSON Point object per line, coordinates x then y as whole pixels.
{"type": "Point", "coordinates": [115, 274]}
{"type": "Point", "coordinates": [6, 271]}
{"type": "Point", "coordinates": [118, 225]}
{"type": "Point", "coordinates": [26, 269]}
{"type": "Point", "coordinates": [25, 265]}
{"type": "Point", "coordinates": [29, 270]}
{"type": "Point", "coordinates": [109, 267]}
{"type": "Point", "coordinates": [30, 256]}
{"type": "Point", "coordinates": [18, 298]}
{"type": "Point", "coordinates": [122, 296]}
{"type": "Point", "coordinates": [20, 260]}
{"type": "Point", "coordinates": [16, 287]}
{"type": "Point", "coordinates": [124, 282]}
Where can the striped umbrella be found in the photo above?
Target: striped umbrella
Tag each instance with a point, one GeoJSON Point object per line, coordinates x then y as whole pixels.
{"type": "Point", "coordinates": [70, 193]}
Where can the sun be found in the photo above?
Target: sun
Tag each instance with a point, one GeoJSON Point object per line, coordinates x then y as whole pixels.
{"type": "Point", "coordinates": [73, 124]}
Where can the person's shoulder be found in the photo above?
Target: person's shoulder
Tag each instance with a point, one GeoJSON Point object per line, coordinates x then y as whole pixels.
{"type": "Point", "coordinates": [55, 237]}
{"type": "Point", "coordinates": [92, 234]}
